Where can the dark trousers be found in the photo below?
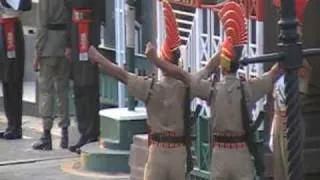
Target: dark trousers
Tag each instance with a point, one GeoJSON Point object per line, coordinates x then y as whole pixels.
{"type": "Point", "coordinates": [11, 74]}
{"type": "Point", "coordinates": [87, 110]}
{"type": "Point", "coordinates": [12, 97]}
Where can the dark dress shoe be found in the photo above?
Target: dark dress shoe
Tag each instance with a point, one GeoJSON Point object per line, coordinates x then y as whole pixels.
{"type": "Point", "coordinates": [82, 141]}
{"type": "Point", "coordinates": [13, 134]}
{"type": "Point", "coordinates": [2, 133]}
{"type": "Point", "coordinates": [77, 148]}
{"type": "Point", "coordinates": [78, 151]}
{"type": "Point", "coordinates": [64, 138]}
{"type": "Point", "coordinates": [90, 140]}
{"type": "Point", "coordinates": [45, 143]}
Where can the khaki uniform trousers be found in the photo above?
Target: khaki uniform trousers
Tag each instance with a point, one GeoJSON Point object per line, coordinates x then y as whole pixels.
{"type": "Point", "coordinates": [231, 164]}
{"type": "Point", "coordinates": [280, 153]}
{"type": "Point", "coordinates": [54, 79]}
{"type": "Point", "coordinates": [165, 163]}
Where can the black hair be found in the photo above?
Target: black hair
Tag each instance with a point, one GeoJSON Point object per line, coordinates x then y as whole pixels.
{"type": "Point", "coordinates": [176, 56]}
{"type": "Point", "coordinates": [234, 66]}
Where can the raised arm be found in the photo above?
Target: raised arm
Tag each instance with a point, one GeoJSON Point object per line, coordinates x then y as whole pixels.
{"type": "Point", "coordinates": [275, 72]}
{"type": "Point", "coordinates": [110, 68]}
{"type": "Point", "coordinates": [211, 67]}
{"type": "Point", "coordinates": [171, 69]}
{"type": "Point", "coordinates": [258, 87]}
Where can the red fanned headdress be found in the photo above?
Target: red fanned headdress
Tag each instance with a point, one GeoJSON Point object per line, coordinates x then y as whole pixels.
{"type": "Point", "coordinates": [300, 7]}
{"type": "Point", "coordinates": [172, 40]}
{"type": "Point", "coordinates": [232, 17]}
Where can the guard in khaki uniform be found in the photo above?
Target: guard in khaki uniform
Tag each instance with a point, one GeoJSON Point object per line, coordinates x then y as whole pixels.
{"type": "Point", "coordinates": [54, 70]}
{"type": "Point", "coordinates": [278, 136]}
{"type": "Point", "coordinates": [165, 106]}
{"type": "Point", "coordinates": [232, 159]}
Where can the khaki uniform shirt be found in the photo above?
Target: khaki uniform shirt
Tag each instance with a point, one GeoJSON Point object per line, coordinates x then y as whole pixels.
{"type": "Point", "coordinates": [51, 42]}
{"type": "Point", "coordinates": [225, 99]}
{"type": "Point", "coordinates": [165, 106]}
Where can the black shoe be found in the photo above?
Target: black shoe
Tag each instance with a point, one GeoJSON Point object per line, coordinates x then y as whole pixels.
{"type": "Point", "coordinates": [78, 151]}
{"type": "Point", "coordinates": [2, 133]}
{"type": "Point", "coordinates": [90, 140]}
{"type": "Point", "coordinates": [45, 142]}
{"type": "Point", "coordinates": [82, 141]}
{"type": "Point", "coordinates": [13, 134]}
{"type": "Point", "coordinates": [64, 138]}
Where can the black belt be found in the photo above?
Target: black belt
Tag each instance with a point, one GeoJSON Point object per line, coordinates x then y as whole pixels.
{"type": "Point", "coordinates": [57, 27]}
{"type": "Point", "coordinates": [229, 139]}
{"type": "Point", "coordinates": [158, 137]}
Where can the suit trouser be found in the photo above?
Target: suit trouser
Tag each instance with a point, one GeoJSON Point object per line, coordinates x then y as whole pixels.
{"type": "Point", "coordinates": [87, 110]}
{"type": "Point", "coordinates": [12, 99]}
{"type": "Point", "coordinates": [54, 79]}
{"type": "Point", "coordinates": [231, 164]}
{"type": "Point", "coordinates": [165, 164]}
{"type": "Point", "coordinates": [12, 83]}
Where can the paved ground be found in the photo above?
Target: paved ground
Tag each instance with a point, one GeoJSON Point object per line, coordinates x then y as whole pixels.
{"type": "Point", "coordinates": [18, 161]}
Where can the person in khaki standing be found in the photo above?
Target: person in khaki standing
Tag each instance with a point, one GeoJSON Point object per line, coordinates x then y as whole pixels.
{"type": "Point", "coordinates": [231, 158]}
{"type": "Point", "coordinates": [54, 70]}
{"type": "Point", "coordinates": [278, 136]}
{"type": "Point", "coordinates": [164, 101]}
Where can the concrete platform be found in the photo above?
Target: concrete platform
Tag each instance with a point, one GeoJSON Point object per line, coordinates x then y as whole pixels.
{"type": "Point", "coordinates": [98, 159]}
{"type": "Point", "coordinates": [118, 126]}
{"type": "Point", "coordinates": [138, 156]}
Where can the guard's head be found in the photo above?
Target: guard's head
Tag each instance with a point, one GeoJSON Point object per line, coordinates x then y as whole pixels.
{"type": "Point", "coordinates": [234, 24]}
{"type": "Point", "coordinates": [170, 48]}
{"type": "Point", "coordinates": [230, 55]}
{"type": "Point", "coordinates": [235, 63]}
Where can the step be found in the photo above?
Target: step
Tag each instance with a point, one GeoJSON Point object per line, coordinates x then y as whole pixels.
{"type": "Point", "coordinates": [97, 159]}
{"type": "Point", "coordinates": [136, 173]}
{"type": "Point", "coordinates": [138, 156]}
{"type": "Point", "coordinates": [141, 140]}
{"type": "Point", "coordinates": [118, 126]}
{"type": "Point", "coordinates": [139, 151]}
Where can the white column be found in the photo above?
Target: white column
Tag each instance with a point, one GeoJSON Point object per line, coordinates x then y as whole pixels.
{"type": "Point", "coordinates": [260, 67]}
{"type": "Point", "coordinates": [120, 45]}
